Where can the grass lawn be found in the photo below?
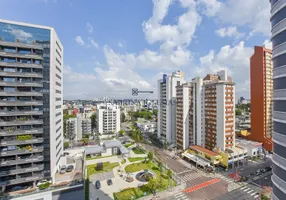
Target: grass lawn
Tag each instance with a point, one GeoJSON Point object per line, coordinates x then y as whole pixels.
{"type": "Point", "coordinates": [107, 166]}
{"type": "Point", "coordinates": [137, 150]}
{"type": "Point", "coordinates": [136, 159]}
{"type": "Point", "coordinates": [97, 157]}
{"type": "Point", "coordinates": [128, 145]}
{"type": "Point", "coordinates": [161, 182]}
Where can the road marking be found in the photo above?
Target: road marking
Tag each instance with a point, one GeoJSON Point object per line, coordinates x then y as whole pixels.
{"type": "Point", "coordinates": [246, 189]}
{"type": "Point", "coordinates": [243, 187]}
{"type": "Point", "coordinates": [253, 194]}
{"type": "Point", "coordinates": [250, 191]}
{"type": "Point", "coordinates": [256, 196]}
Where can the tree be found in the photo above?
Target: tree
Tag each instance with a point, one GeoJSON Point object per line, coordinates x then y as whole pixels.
{"type": "Point", "coordinates": [122, 117]}
{"type": "Point", "coordinates": [238, 112]}
{"type": "Point", "coordinates": [137, 136]}
{"type": "Point", "coordinates": [152, 184]}
{"type": "Point", "coordinates": [66, 145]}
{"type": "Point", "coordinates": [122, 132]}
{"type": "Point", "coordinates": [150, 156]}
{"type": "Point", "coordinates": [155, 112]}
{"type": "Point", "coordinates": [93, 118]}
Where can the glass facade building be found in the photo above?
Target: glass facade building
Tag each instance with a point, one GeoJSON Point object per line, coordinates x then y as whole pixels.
{"type": "Point", "coordinates": [278, 21]}
{"type": "Point", "coordinates": [31, 141]}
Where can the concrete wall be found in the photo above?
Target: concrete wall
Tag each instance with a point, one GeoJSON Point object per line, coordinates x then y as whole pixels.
{"type": "Point", "coordinates": [220, 117]}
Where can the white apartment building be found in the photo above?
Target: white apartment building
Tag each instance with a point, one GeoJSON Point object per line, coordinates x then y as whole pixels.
{"type": "Point", "coordinates": [188, 114]}
{"type": "Point", "coordinates": [108, 118]}
{"type": "Point", "coordinates": [77, 127]}
{"type": "Point", "coordinates": [166, 128]}
{"type": "Point", "coordinates": [31, 98]}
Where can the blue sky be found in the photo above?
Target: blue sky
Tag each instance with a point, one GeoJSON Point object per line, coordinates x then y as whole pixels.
{"type": "Point", "coordinates": [111, 46]}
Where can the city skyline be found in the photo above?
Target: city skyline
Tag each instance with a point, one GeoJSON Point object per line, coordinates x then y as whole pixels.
{"type": "Point", "coordinates": [134, 56]}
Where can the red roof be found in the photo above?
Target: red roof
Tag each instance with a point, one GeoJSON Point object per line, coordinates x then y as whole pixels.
{"type": "Point", "coordinates": [202, 149]}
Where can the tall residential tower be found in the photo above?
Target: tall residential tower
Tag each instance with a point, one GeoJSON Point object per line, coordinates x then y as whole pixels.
{"type": "Point", "coordinates": [261, 88]}
{"type": "Point", "coordinates": [31, 97]}
{"type": "Point", "coordinates": [166, 129]}
{"type": "Point", "coordinates": [278, 21]}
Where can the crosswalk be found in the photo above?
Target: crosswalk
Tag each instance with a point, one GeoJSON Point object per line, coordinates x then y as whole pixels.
{"type": "Point", "coordinates": [189, 176]}
{"type": "Point", "coordinates": [250, 191]}
{"type": "Point", "coordinates": [180, 196]}
{"type": "Point", "coordinates": [226, 179]}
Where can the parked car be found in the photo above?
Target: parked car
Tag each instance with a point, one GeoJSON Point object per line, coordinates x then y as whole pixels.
{"type": "Point", "coordinates": [63, 169]}
{"type": "Point", "coordinates": [268, 168]}
{"type": "Point", "coordinates": [97, 184]}
{"type": "Point", "coordinates": [258, 172]}
{"type": "Point", "coordinates": [109, 182]}
{"type": "Point", "coordinates": [70, 168]}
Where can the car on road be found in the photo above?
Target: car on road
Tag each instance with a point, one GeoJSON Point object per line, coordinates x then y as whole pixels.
{"type": "Point", "coordinates": [258, 172]}
{"type": "Point", "coordinates": [63, 169]}
{"type": "Point", "coordinates": [109, 182]}
{"type": "Point", "coordinates": [268, 169]}
{"type": "Point", "coordinates": [97, 184]}
{"type": "Point", "coordinates": [70, 168]}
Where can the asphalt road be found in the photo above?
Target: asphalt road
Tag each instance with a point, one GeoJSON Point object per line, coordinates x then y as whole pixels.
{"type": "Point", "coordinates": [248, 192]}
{"type": "Point", "coordinates": [253, 167]}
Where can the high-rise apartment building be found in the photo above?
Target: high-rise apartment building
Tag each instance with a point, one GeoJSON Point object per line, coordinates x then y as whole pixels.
{"type": "Point", "coordinates": [261, 89]}
{"type": "Point", "coordinates": [77, 127]}
{"type": "Point", "coordinates": [108, 118]}
{"type": "Point", "coordinates": [188, 114]}
{"type": "Point", "coordinates": [31, 98]}
{"type": "Point", "coordinates": [166, 120]}
{"type": "Point", "coordinates": [278, 21]}
{"type": "Point", "coordinates": [219, 111]}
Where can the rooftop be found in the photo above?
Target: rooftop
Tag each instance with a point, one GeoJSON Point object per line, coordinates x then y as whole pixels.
{"type": "Point", "coordinates": [206, 151]}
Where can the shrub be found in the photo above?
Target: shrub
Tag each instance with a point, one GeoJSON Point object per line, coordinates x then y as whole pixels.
{"type": "Point", "coordinates": [44, 186]}
{"type": "Point", "coordinates": [24, 137]}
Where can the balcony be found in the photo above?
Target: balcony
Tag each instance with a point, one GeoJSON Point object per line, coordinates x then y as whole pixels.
{"type": "Point", "coordinates": [23, 170]}
{"type": "Point", "coordinates": [21, 84]}
{"type": "Point", "coordinates": [21, 103]}
{"type": "Point", "coordinates": [22, 180]}
{"type": "Point", "coordinates": [21, 161]}
{"type": "Point", "coordinates": [20, 142]}
{"type": "Point", "coordinates": [20, 55]}
{"type": "Point", "coordinates": [18, 123]}
{"type": "Point", "coordinates": [20, 152]}
{"type": "Point", "coordinates": [22, 132]}
{"type": "Point", "coordinates": [21, 74]}
{"type": "Point", "coordinates": [23, 45]}
{"type": "Point", "coordinates": [23, 94]}
{"type": "Point", "coordinates": [22, 65]}
{"type": "Point", "coordinates": [19, 113]}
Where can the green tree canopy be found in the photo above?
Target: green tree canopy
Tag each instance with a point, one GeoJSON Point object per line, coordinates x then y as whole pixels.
{"type": "Point", "coordinates": [93, 118]}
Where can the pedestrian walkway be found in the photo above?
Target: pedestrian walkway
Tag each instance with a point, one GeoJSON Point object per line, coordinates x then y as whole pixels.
{"type": "Point", "coordinates": [180, 196]}
{"type": "Point", "coordinates": [202, 185]}
{"type": "Point", "coordinates": [188, 176]}
{"type": "Point", "coordinates": [249, 191]}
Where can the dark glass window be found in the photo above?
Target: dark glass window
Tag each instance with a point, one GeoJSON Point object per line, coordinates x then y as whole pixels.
{"type": "Point", "coordinates": [273, 2]}
{"type": "Point", "coordinates": [279, 39]}
{"type": "Point", "coordinates": [280, 150]}
{"type": "Point", "coordinates": [279, 127]}
{"type": "Point", "coordinates": [279, 83]}
{"type": "Point", "coordinates": [279, 60]}
{"type": "Point", "coordinates": [9, 60]}
{"type": "Point", "coordinates": [278, 16]}
{"type": "Point", "coordinates": [279, 105]}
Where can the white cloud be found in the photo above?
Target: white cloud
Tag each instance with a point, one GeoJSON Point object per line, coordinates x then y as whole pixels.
{"type": "Point", "coordinates": [93, 43]}
{"type": "Point", "coordinates": [120, 44]}
{"type": "Point", "coordinates": [230, 31]}
{"type": "Point", "coordinates": [268, 44]}
{"type": "Point", "coordinates": [79, 40]}
{"type": "Point", "coordinates": [253, 13]}
{"type": "Point", "coordinates": [89, 27]}
{"type": "Point", "coordinates": [235, 59]}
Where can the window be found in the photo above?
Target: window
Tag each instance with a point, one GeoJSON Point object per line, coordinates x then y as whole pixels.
{"type": "Point", "coordinates": [58, 77]}
{"type": "Point", "coordinates": [58, 92]}
{"type": "Point", "coordinates": [37, 62]}
{"type": "Point", "coordinates": [58, 106]}
{"type": "Point", "coordinates": [9, 89]}
{"type": "Point", "coordinates": [58, 84]}
{"type": "Point", "coordinates": [58, 114]}
{"type": "Point", "coordinates": [59, 62]}
{"type": "Point", "coordinates": [278, 16]}
{"type": "Point", "coordinates": [59, 121]}
{"type": "Point", "coordinates": [9, 70]}
{"type": "Point", "coordinates": [58, 53]}
{"type": "Point", "coordinates": [9, 60]}
{"type": "Point", "coordinates": [58, 129]}
{"type": "Point", "coordinates": [58, 137]}
{"type": "Point", "coordinates": [58, 145]}
{"type": "Point", "coordinates": [58, 99]}
{"type": "Point", "coordinates": [58, 46]}
{"type": "Point", "coordinates": [58, 69]}
{"type": "Point", "coordinates": [279, 83]}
